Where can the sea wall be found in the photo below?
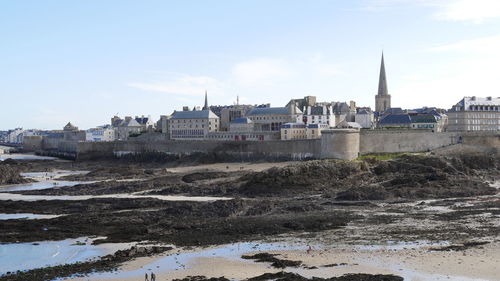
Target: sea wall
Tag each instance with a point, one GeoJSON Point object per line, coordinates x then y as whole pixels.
{"type": "Point", "coordinates": [341, 144]}
{"type": "Point", "coordinates": [392, 141]}
{"type": "Point", "coordinates": [237, 150]}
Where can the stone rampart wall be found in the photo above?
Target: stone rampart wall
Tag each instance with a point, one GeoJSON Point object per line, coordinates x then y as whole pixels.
{"type": "Point", "coordinates": [389, 141]}
{"type": "Point", "coordinates": [330, 146]}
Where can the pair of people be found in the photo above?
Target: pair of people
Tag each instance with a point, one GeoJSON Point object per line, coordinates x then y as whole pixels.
{"type": "Point", "coordinates": [153, 277]}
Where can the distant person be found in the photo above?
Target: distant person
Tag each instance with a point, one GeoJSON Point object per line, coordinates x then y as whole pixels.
{"type": "Point", "coordinates": [146, 277]}
{"type": "Point", "coordinates": [153, 277]}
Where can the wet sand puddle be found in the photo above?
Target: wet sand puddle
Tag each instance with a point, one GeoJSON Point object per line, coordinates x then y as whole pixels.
{"type": "Point", "coordinates": [19, 156]}
{"type": "Point", "coordinates": [389, 258]}
{"type": "Point", "coordinates": [44, 180]}
{"type": "Point", "coordinates": [362, 257]}
{"type": "Point", "coordinates": [22, 197]}
{"type": "Point", "coordinates": [182, 259]}
{"type": "Point", "coordinates": [25, 256]}
{"type": "Point", "coordinates": [26, 216]}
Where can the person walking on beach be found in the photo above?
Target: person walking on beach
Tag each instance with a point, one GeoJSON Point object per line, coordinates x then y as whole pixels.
{"type": "Point", "coordinates": [153, 277]}
{"type": "Point", "coordinates": [146, 277]}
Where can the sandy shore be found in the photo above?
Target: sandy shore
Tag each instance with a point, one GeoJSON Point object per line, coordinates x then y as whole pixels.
{"type": "Point", "coordinates": [413, 262]}
{"type": "Point", "coordinates": [230, 167]}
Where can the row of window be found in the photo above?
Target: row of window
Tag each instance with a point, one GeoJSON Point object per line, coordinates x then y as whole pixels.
{"type": "Point", "coordinates": [269, 118]}
{"type": "Point", "coordinates": [483, 122]}
{"type": "Point", "coordinates": [194, 121]}
{"type": "Point", "coordinates": [483, 128]}
{"type": "Point", "coordinates": [188, 133]}
{"type": "Point", "coordinates": [484, 108]}
{"type": "Point", "coordinates": [227, 136]}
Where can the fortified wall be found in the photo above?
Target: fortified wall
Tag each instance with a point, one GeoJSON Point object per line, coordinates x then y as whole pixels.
{"type": "Point", "coordinates": [334, 143]}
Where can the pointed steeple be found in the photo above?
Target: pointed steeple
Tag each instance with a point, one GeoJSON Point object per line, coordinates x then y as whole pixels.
{"type": "Point", "coordinates": [382, 82]}
{"type": "Point", "coordinates": [205, 107]}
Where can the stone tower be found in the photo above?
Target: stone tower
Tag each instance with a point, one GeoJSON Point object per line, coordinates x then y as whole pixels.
{"type": "Point", "coordinates": [382, 99]}
{"type": "Point", "coordinates": [205, 107]}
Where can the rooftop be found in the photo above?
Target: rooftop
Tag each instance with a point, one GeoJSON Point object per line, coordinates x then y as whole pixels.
{"type": "Point", "coordinates": [269, 111]}
{"type": "Point", "coordinates": [242, 120]}
{"type": "Point", "coordinates": [198, 114]}
{"type": "Point", "coordinates": [396, 119]}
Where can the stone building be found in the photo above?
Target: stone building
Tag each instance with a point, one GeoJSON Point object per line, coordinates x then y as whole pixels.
{"type": "Point", "coordinates": [293, 131]}
{"type": "Point", "coordinates": [71, 133]}
{"type": "Point", "coordinates": [271, 118]}
{"type": "Point", "coordinates": [193, 125]}
{"type": "Point", "coordinates": [475, 114]}
{"type": "Point", "coordinates": [297, 131]}
{"type": "Point", "coordinates": [313, 131]}
{"type": "Point", "coordinates": [146, 122]}
{"type": "Point", "coordinates": [319, 114]}
{"type": "Point", "coordinates": [163, 125]}
{"type": "Point", "coordinates": [393, 121]}
{"type": "Point", "coordinates": [343, 111]}
{"type": "Point", "coordinates": [365, 118]}
{"type": "Point", "coordinates": [126, 127]}
{"type": "Point", "coordinates": [102, 133]}
{"type": "Point", "coordinates": [424, 122]}
{"type": "Point", "coordinates": [243, 124]}
{"type": "Point", "coordinates": [232, 112]}
{"type": "Point", "coordinates": [382, 99]}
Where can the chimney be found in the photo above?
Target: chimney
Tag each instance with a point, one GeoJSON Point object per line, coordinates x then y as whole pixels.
{"type": "Point", "coordinates": [185, 108]}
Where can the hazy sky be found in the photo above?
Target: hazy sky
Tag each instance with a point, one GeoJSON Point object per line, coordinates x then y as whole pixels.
{"type": "Point", "coordinates": [84, 61]}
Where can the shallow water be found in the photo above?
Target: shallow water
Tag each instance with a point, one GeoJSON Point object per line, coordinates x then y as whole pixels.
{"type": "Point", "coordinates": [27, 216]}
{"type": "Point", "coordinates": [178, 261]}
{"type": "Point", "coordinates": [25, 256]}
{"type": "Point", "coordinates": [18, 156]}
{"type": "Point", "coordinates": [22, 197]}
{"type": "Point", "coordinates": [39, 185]}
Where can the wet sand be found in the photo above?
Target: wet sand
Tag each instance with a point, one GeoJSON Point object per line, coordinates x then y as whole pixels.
{"type": "Point", "coordinates": [413, 262]}
{"type": "Point", "coordinates": [230, 167]}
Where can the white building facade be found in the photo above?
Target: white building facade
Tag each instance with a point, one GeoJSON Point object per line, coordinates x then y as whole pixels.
{"type": "Point", "coordinates": [475, 114]}
{"type": "Point", "coordinates": [100, 134]}
{"type": "Point", "coordinates": [193, 125]}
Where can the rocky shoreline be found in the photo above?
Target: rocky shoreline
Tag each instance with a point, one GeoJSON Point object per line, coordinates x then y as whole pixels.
{"type": "Point", "coordinates": [411, 197]}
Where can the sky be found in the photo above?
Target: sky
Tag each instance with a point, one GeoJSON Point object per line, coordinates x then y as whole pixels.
{"type": "Point", "coordinates": [86, 60]}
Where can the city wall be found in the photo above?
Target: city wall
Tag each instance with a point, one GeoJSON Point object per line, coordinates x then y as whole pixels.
{"type": "Point", "coordinates": [244, 150]}
{"type": "Point", "coordinates": [393, 141]}
{"type": "Point", "coordinates": [341, 144]}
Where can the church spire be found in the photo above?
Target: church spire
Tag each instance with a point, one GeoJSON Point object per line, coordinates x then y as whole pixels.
{"type": "Point", "coordinates": [205, 107]}
{"type": "Point", "coordinates": [382, 99]}
{"type": "Point", "coordinates": [382, 82]}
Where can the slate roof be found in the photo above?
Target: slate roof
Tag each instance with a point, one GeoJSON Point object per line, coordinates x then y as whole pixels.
{"type": "Point", "coordinates": [198, 114]}
{"type": "Point", "coordinates": [269, 111]}
{"type": "Point", "coordinates": [341, 108]}
{"type": "Point", "coordinates": [241, 120]}
{"type": "Point", "coordinates": [129, 123]}
{"type": "Point", "coordinates": [363, 111]}
{"type": "Point", "coordinates": [423, 118]}
{"type": "Point", "coordinates": [142, 120]}
{"type": "Point", "coordinates": [319, 110]}
{"type": "Point", "coordinates": [396, 119]}
{"type": "Point", "coordinates": [70, 127]}
{"type": "Point", "coordinates": [394, 110]}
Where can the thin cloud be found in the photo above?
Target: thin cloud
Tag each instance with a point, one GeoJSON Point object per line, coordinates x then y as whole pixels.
{"type": "Point", "coordinates": [478, 45]}
{"type": "Point", "coordinates": [474, 11]}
